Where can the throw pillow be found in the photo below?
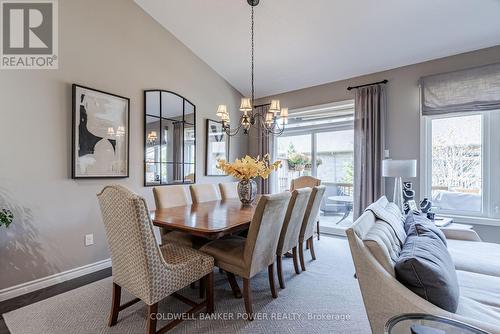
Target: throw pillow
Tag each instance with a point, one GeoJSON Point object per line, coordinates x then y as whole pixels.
{"type": "Point", "coordinates": [391, 214]}
{"type": "Point", "coordinates": [426, 268]}
{"type": "Point", "coordinates": [419, 224]}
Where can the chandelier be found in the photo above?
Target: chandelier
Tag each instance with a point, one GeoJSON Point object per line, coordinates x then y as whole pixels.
{"type": "Point", "coordinates": [269, 122]}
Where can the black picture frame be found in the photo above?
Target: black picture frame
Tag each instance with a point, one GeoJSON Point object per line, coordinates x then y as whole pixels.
{"type": "Point", "coordinates": [207, 142]}
{"type": "Point", "coordinates": [162, 117]}
{"type": "Point", "coordinates": [76, 147]}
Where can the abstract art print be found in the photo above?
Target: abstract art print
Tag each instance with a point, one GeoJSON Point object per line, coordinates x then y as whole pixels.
{"type": "Point", "coordinates": [217, 147]}
{"type": "Point", "coordinates": [100, 134]}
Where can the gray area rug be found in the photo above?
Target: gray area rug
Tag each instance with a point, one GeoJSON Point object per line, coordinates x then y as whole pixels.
{"type": "Point", "coordinates": [323, 299]}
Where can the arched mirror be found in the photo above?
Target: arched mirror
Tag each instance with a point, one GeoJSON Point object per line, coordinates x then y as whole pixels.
{"type": "Point", "coordinates": [169, 139]}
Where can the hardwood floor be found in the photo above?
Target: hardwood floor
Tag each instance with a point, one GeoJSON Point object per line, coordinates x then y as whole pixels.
{"type": "Point", "coordinates": [35, 296]}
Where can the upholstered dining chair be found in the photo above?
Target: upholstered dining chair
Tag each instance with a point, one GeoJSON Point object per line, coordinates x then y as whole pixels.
{"type": "Point", "coordinates": [229, 190]}
{"type": "Point", "coordinates": [143, 268]}
{"type": "Point", "coordinates": [204, 193]}
{"type": "Point", "coordinates": [303, 182]}
{"type": "Point", "coordinates": [307, 229]}
{"type": "Point", "coordinates": [169, 197]}
{"type": "Point", "coordinates": [248, 256]}
{"type": "Point", "coordinates": [290, 230]}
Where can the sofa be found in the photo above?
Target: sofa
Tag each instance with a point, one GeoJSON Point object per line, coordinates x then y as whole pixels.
{"type": "Point", "coordinates": [477, 265]}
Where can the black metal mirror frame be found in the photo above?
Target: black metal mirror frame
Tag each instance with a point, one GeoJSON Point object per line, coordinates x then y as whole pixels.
{"type": "Point", "coordinates": [161, 118]}
{"type": "Point", "coordinates": [207, 142]}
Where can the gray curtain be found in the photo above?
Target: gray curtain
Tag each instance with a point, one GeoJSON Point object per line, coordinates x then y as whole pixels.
{"type": "Point", "coordinates": [369, 144]}
{"type": "Point", "coordinates": [473, 89]}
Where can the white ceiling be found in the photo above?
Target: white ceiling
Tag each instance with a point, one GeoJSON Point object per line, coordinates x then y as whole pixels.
{"type": "Point", "coordinates": [310, 42]}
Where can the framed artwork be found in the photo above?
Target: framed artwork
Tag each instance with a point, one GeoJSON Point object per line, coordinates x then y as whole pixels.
{"type": "Point", "coordinates": [101, 127]}
{"type": "Point", "coordinates": [217, 147]}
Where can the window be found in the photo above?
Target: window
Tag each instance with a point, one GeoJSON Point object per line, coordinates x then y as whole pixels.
{"type": "Point", "coordinates": [461, 163]}
{"type": "Point", "coordinates": [319, 142]}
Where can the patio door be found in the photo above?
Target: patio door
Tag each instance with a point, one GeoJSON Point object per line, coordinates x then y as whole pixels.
{"type": "Point", "coordinates": [325, 151]}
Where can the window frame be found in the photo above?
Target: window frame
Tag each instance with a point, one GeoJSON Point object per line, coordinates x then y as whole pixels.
{"type": "Point", "coordinates": [486, 215]}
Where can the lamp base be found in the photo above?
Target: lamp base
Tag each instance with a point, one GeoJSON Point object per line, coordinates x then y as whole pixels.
{"type": "Point", "coordinates": [397, 197]}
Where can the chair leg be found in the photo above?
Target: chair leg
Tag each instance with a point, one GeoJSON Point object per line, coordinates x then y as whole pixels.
{"type": "Point", "coordinates": [152, 314]}
{"type": "Point", "coordinates": [247, 296]}
{"type": "Point", "coordinates": [317, 227]}
{"type": "Point", "coordinates": [203, 284]}
{"type": "Point", "coordinates": [270, 271]}
{"type": "Point", "coordinates": [295, 260]}
{"type": "Point", "coordinates": [209, 285]}
{"type": "Point", "coordinates": [234, 285]}
{"type": "Point", "coordinates": [115, 305]}
{"type": "Point", "coordinates": [301, 255]}
{"type": "Point", "coordinates": [280, 271]}
{"type": "Point", "coordinates": [311, 248]}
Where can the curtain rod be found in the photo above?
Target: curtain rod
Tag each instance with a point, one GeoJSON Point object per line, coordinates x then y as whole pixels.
{"type": "Point", "coordinates": [370, 84]}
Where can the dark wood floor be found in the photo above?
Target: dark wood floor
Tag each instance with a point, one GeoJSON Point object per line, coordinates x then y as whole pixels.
{"type": "Point", "coordinates": [36, 296]}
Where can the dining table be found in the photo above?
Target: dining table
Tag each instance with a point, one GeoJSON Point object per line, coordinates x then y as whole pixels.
{"type": "Point", "coordinates": [210, 220]}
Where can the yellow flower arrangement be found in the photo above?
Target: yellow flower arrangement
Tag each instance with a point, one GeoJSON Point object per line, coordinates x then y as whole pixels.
{"type": "Point", "coordinates": [248, 168]}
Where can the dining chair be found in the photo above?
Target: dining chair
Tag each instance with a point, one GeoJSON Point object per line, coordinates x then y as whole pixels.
{"type": "Point", "coordinates": [169, 197]}
{"type": "Point", "coordinates": [248, 256]}
{"type": "Point", "coordinates": [307, 229]}
{"type": "Point", "coordinates": [204, 193]}
{"type": "Point", "coordinates": [146, 270]}
{"type": "Point", "coordinates": [303, 182]}
{"type": "Point", "coordinates": [290, 230]}
{"type": "Point", "coordinates": [229, 190]}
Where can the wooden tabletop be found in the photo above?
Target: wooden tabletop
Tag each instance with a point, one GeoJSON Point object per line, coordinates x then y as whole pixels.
{"type": "Point", "coordinates": [211, 220]}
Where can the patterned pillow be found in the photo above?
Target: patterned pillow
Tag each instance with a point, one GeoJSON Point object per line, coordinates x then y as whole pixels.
{"type": "Point", "coordinates": [391, 214]}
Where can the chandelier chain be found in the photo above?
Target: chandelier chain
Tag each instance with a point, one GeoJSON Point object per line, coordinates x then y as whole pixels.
{"type": "Point", "coordinates": [252, 69]}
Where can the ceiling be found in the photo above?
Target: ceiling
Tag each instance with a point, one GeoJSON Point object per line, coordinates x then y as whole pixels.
{"type": "Point", "coordinates": [306, 43]}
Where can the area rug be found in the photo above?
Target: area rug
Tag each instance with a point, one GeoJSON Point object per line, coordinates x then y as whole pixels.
{"type": "Point", "coordinates": [323, 299]}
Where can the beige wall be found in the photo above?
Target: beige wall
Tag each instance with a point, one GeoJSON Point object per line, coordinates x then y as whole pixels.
{"type": "Point", "coordinates": [109, 45]}
{"type": "Point", "coordinates": [403, 120]}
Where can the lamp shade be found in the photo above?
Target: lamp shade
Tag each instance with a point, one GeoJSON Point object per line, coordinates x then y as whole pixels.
{"type": "Point", "coordinates": [221, 110]}
{"type": "Point", "coordinates": [399, 168]}
{"type": "Point", "coordinates": [275, 106]}
{"type": "Point", "coordinates": [246, 104]}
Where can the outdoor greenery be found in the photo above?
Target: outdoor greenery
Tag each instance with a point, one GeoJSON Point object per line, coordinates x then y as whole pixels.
{"type": "Point", "coordinates": [6, 217]}
{"type": "Point", "coordinates": [299, 161]}
{"type": "Point", "coordinates": [349, 172]}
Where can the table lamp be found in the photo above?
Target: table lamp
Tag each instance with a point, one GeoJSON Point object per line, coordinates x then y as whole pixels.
{"type": "Point", "coordinates": [399, 169]}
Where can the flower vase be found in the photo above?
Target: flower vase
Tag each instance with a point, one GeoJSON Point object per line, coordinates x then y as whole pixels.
{"type": "Point", "coordinates": [247, 191]}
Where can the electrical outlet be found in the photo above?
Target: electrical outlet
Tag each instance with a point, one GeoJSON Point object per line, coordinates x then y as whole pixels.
{"type": "Point", "coordinates": [386, 154]}
{"type": "Point", "coordinates": [89, 239]}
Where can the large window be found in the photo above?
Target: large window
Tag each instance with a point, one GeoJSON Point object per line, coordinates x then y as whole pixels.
{"type": "Point", "coordinates": [319, 142]}
{"type": "Point", "coordinates": [462, 165]}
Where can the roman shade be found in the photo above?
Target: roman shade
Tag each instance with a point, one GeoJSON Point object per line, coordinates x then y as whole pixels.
{"type": "Point", "coordinates": [474, 89]}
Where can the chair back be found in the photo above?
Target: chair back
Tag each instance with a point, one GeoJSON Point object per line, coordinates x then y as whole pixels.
{"type": "Point", "coordinates": [304, 182]}
{"type": "Point", "coordinates": [295, 213]}
{"type": "Point", "coordinates": [134, 251]}
{"type": "Point", "coordinates": [204, 193]}
{"type": "Point", "coordinates": [171, 196]}
{"type": "Point", "coordinates": [229, 190]}
{"type": "Point", "coordinates": [264, 231]}
{"type": "Point", "coordinates": [312, 212]}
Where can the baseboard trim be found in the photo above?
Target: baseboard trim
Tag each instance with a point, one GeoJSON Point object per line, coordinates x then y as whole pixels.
{"type": "Point", "coordinates": [40, 283]}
